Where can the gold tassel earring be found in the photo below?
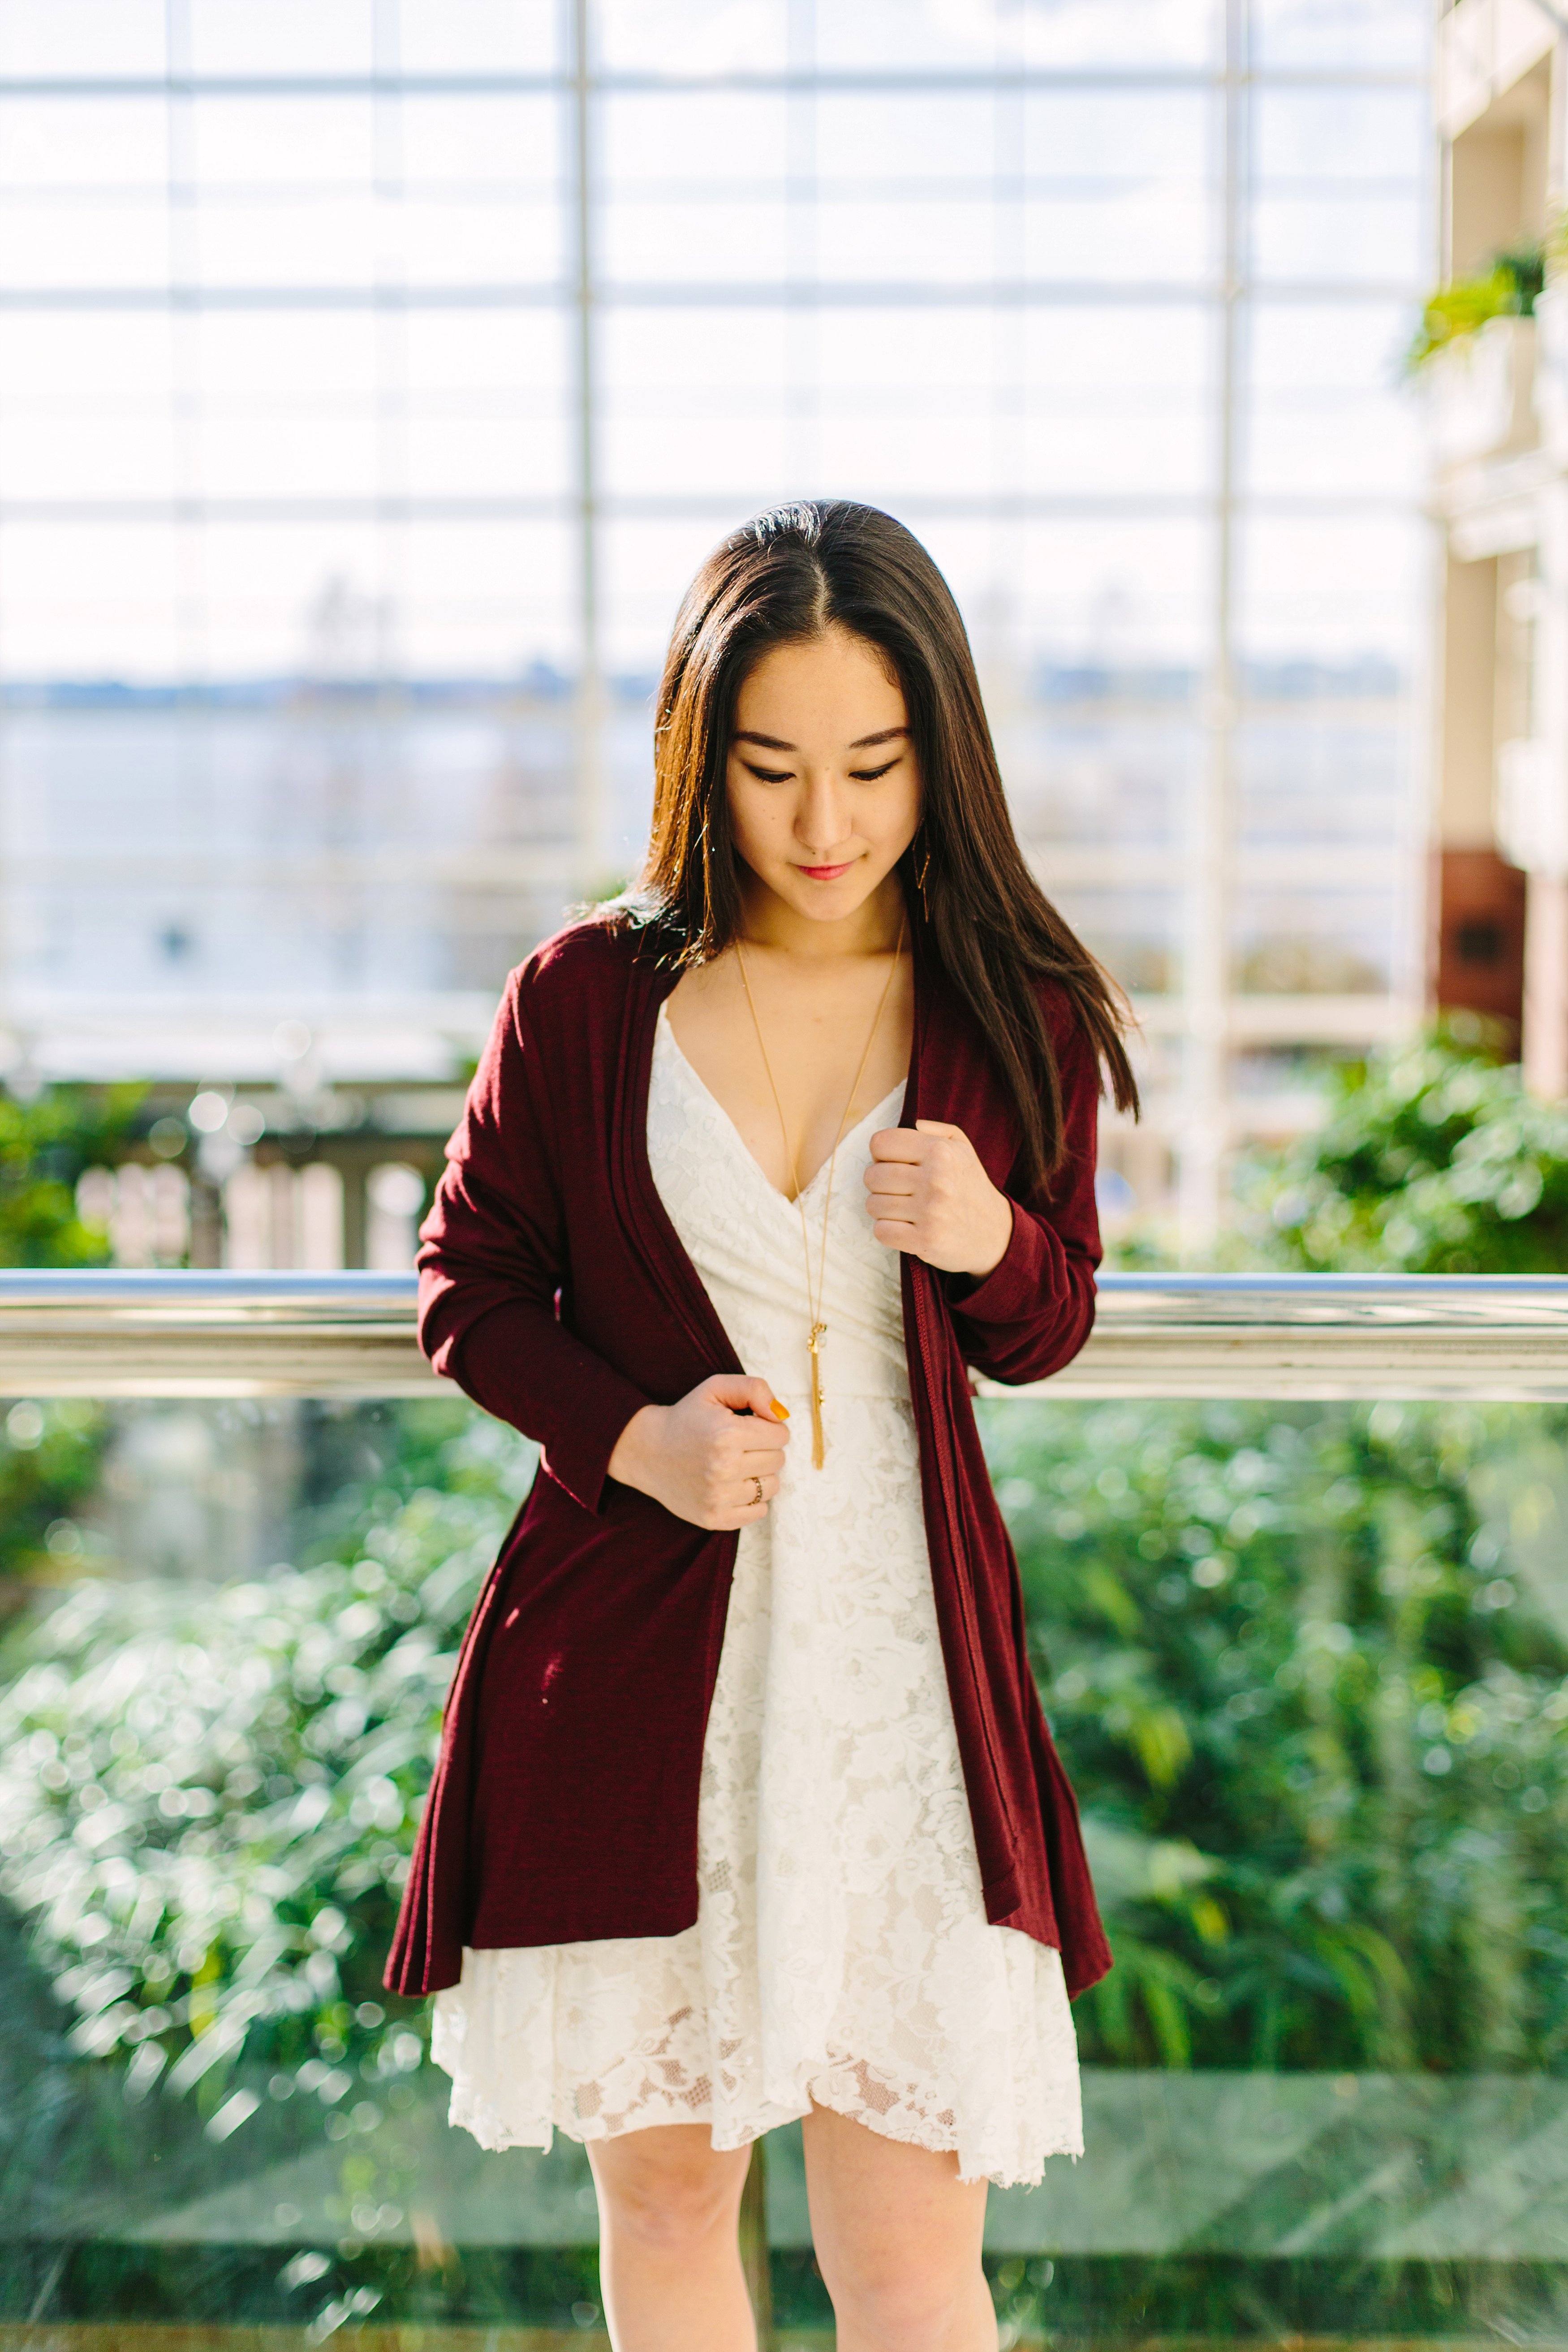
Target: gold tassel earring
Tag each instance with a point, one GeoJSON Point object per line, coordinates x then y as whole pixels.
{"type": "Point", "coordinates": [922, 870]}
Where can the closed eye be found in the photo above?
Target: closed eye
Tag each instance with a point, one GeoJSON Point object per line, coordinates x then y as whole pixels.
{"type": "Point", "coordinates": [768, 775]}
{"type": "Point", "coordinates": [870, 775]}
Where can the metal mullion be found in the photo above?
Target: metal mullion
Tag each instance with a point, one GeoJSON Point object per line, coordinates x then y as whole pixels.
{"type": "Point", "coordinates": [1206, 975]}
{"type": "Point", "coordinates": [851, 82]}
{"type": "Point", "coordinates": [750, 294]}
{"type": "Point", "coordinates": [590, 693]}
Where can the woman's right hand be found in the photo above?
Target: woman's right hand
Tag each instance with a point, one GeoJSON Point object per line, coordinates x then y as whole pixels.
{"type": "Point", "coordinates": [704, 1457]}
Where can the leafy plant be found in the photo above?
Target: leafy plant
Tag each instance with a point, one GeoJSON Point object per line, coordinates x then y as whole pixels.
{"type": "Point", "coordinates": [1319, 1722]}
{"type": "Point", "coordinates": [1432, 1160]}
{"type": "Point", "coordinates": [1506, 289]}
{"type": "Point", "coordinates": [44, 1145]}
{"type": "Point", "coordinates": [50, 1456]}
{"type": "Point", "coordinates": [210, 1792]}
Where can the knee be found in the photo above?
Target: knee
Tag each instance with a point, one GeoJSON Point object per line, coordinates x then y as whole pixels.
{"type": "Point", "coordinates": [672, 2209]}
{"type": "Point", "coordinates": [902, 2303]}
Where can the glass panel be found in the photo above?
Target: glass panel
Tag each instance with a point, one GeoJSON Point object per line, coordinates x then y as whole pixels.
{"type": "Point", "coordinates": [738, 139]}
{"type": "Point", "coordinates": [694, 188]}
{"type": "Point", "coordinates": [280, 358]}
{"type": "Point", "coordinates": [90, 361]}
{"type": "Point", "coordinates": [684, 242]}
{"type": "Point", "coordinates": [325, 143]}
{"type": "Point", "coordinates": [694, 37]}
{"type": "Point", "coordinates": [511, 145]}
{"type": "Point", "coordinates": [1117, 401]}
{"type": "Point", "coordinates": [1118, 186]}
{"type": "Point", "coordinates": [1113, 139]}
{"type": "Point", "coordinates": [1290, 942]}
{"type": "Point", "coordinates": [1340, 777]}
{"type": "Point", "coordinates": [1077, 774]}
{"type": "Point", "coordinates": [1326, 411]}
{"type": "Point", "coordinates": [1085, 32]}
{"type": "Point", "coordinates": [478, 35]}
{"type": "Point", "coordinates": [1136, 933]}
{"type": "Point", "coordinates": [934, 240]}
{"type": "Point", "coordinates": [286, 36]}
{"type": "Point", "coordinates": [484, 600]}
{"type": "Point", "coordinates": [443, 240]}
{"type": "Point", "coordinates": [1371, 136]}
{"type": "Point", "coordinates": [645, 569]}
{"type": "Point", "coordinates": [1342, 175]}
{"type": "Point", "coordinates": [1114, 602]}
{"type": "Point", "coordinates": [1040, 33]}
{"type": "Point", "coordinates": [80, 601]}
{"type": "Point", "coordinates": [700, 403]}
{"type": "Point", "coordinates": [331, 241]}
{"type": "Point", "coordinates": [1339, 33]}
{"type": "Point", "coordinates": [50, 453]}
{"type": "Point", "coordinates": [1330, 603]}
{"type": "Point", "coordinates": [921, 139]}
{"type": "Point", "coordinates": [1329, 240]}
{"type": "Point", "coordinates": [82, 40]}
{"type": "Point", "coordinates": [288, 598]}
{"type": "Point", "coordinates": [83, 142]}
{"type": "Point", "coordinates": [1310, 2092]}
{"type": "Point", "coordinates": [66, 243]}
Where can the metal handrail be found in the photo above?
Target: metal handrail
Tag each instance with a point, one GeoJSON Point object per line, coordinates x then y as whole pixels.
{"type": "Point", "coordinates": [125, 1334]}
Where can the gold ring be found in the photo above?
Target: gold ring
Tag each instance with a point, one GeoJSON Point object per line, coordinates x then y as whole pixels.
{"type": "Point", "coordinates": [758, 1484]}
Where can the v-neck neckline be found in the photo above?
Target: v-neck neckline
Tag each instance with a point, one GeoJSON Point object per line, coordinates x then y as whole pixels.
{"type": "Point", "coordinates": [665, 1026]}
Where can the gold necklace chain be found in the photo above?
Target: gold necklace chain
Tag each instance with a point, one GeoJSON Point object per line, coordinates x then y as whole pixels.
{"type": "Point", "coordinates": [814, 1296]}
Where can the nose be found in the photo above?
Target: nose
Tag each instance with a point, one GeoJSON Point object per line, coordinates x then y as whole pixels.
{"type": "Point", "coordinates": [822, 821]}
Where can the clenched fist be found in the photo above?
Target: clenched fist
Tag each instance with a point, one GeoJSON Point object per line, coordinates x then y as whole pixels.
{"type": "Point", "coordinates": [715, 1459]}
{"type": "Point", "coordinates": [929, 1196]}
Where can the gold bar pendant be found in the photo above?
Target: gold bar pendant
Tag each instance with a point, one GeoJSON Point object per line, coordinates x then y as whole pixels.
{"type": "Point", "coordinates": [819, 1444]}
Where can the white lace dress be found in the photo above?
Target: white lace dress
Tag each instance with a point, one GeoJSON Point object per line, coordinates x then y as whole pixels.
{"type": "Point", "coordinates": [841, 1952]}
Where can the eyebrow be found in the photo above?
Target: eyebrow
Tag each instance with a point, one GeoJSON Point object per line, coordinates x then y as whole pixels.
{"type": "Point", "coordinates": [861, 744]}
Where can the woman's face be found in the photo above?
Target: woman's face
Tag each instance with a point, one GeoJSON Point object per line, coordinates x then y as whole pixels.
{"type": "Point", "coordinates": [824, 794]}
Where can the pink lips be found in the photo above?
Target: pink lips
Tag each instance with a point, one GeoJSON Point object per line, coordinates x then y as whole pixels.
{"type": "Point", "coordinates": [825, 873]}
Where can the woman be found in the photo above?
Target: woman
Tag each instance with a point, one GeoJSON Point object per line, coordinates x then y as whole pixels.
{"type": "Point", "coordinates": [745, 1809]}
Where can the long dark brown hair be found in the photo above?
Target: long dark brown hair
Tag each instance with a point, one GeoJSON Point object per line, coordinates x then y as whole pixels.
{"type": "Point", "coordinates": [785, 577]}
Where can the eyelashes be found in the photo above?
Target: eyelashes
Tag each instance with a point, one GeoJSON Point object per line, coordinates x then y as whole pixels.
{"type": "Point", "coordinates": [786, 775]}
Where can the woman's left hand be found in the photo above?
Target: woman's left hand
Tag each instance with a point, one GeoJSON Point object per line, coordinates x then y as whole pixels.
{"type": "Point", "coordinates": [930, 1195]}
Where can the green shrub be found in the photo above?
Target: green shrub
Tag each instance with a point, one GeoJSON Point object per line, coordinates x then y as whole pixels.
{"type": "Point", "coordinates": [1506, 289]}
{"type": "Point", "coordinates": [1432, 1160]}
{"type": "Point", "coordinates": [1314, 1700]}
{"type": "Point", "coordinates": [44, 1145]}
{"type": "Point", "coordinates": [210, 1792]}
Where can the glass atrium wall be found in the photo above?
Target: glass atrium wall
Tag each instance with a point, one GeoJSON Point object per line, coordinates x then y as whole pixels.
{"type": "Point", "coordinates": [372, 374]}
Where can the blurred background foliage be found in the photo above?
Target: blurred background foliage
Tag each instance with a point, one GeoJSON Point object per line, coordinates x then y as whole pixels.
{"type": "Point", "coordinates": [47, 1141]}
{"type": "Point", "coordinates": [210, 1791]}
{"type": "Point", "coordinates": [1308, 1667]}
{"type": "Point", "coordinates": [1431, 1159]}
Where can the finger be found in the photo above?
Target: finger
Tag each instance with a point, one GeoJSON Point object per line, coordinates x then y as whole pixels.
{"type": "Point", "coordinates": [897, 1143]}
{"type": "Point", "coordinates": [936, 1126]}
{"type": "Point", "coordinates": [892, 1184]}
{"type": "Point", "coordinates": [743, 1392]}
{"type": "Point", "coordinates": [893, 1234]}
{"type": "Point", "coordinates": [747, 1503]}
{"type": "Point", "coordinates": [762, 1459]}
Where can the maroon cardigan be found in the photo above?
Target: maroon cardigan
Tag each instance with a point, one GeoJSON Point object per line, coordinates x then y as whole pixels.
{"type": "Point", "coordinates": [555, 1291]}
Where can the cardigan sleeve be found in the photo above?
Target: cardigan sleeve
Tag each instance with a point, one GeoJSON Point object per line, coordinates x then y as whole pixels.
{"type": "Point", "coordinates": [493, 1265]}
{"type": "Point", "coordinates": [1034, 1310]}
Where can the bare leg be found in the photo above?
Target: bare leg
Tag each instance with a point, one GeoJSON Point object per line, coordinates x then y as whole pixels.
{"type": "Point", "coordinates": [898, 2242]}
{"type": "Point", "coordinates": [669, 2260]}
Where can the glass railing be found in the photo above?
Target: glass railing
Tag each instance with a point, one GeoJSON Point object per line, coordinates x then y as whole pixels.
{"type": "Point", "coordinates": [1295, 1558]}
